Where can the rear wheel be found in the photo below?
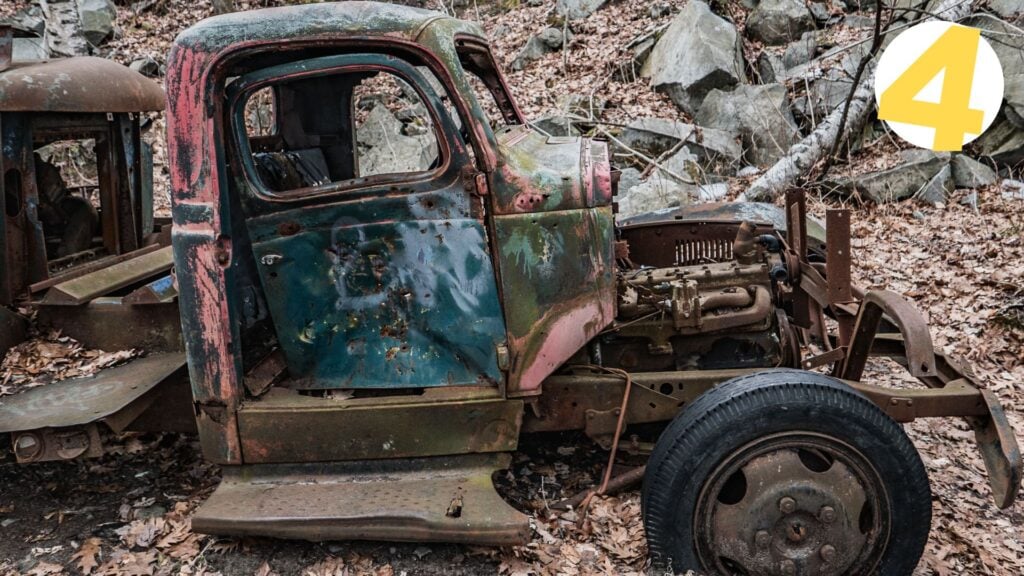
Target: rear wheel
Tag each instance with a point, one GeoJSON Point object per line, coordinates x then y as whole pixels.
{"type": "Point", "coordinates": [786, 472]}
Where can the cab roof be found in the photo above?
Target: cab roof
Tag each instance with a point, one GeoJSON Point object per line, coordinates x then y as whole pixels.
{"type": "Point", "coordinates": [326, 20]}
{"type": "Point", "coordinates": [81, 84]}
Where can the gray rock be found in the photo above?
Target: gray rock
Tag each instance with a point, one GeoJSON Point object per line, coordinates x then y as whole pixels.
{"type": "Point", "coordinates": [146, 66]}
{"type": "Point", "coordinates": [64, 36]}
{"type": "Point", "coordinates": [936, 192]}
{"type": "Point", "coordinates": [660, 192]}
{"type": "Point", "coordinates": [28, 49]}
{"type": "Point", "coordinates": [917, 171]}
{"type": "Point", "coordinates": [779, 21]}
{"type": "Point", "coordinates": [98, 18]}
{"type": "Point", "coordinates": [970, 199]}
{"type": "Point", "coordinates": [1013, 93]}
{"type": "Point", "coordinates": [969, 173]}
{"type": "Point", "coordinates": [1006, 40]}
{"type": "Point", "coordinates": [770, 67]}
{"type": "Point", "coordinates": [628, 179]}
{"type": "Point", "coordinates": [715, 151]}
{"type": "Point", "coordinates": [577, 9]}
{"type": "Point", "coordinates": [1013, 189]}
{"type": "Point", "coordinates": [548, 40]}
{"type": "Point", "coordinates": [859, 21]}
{"type": "Point", "coordinates": [659, 9]}
{"type": "Point", "coordinates": [801, 51]}
{"type": "Point", "coordinates": [28, 20]}
{"type": "Point", "coordinates": [1009, 9]}
{"type": "Point", "coordinates": [699, 52]}
{"type": "Point", "coordinates": [1003, 142]}
{"type": "Point", "coordinates": [825, 81]}
{"type": "Point", "coordinates": [384, 149]}
{"type": "Point", "coordinates": [760, 114]}
{"type": "Point", "coordinates": [748, 171]}
{"type": "Point", "coordinates": [820, 12]}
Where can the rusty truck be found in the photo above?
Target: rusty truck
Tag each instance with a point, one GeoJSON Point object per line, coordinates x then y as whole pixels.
{"type": "Point", "coordinates": [83, 254]}
{"type": "Point", "coordinates": [386, 276]}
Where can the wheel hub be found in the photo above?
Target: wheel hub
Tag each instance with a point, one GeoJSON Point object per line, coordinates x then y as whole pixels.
{"type": "Point", "coordinates": [792, 504]}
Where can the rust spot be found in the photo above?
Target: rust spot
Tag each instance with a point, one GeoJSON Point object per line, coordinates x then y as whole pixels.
{"type": "Point", "coordinates": [289, 228]}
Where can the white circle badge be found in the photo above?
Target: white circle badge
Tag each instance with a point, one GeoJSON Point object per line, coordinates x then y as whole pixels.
{"type": "Point", "coordinates": [939, 85]}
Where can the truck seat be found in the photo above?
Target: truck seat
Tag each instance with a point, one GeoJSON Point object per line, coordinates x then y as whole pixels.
{"type": "Point", "coordinates": [290, 170]}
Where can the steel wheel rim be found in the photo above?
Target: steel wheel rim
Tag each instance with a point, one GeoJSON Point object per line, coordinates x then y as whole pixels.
{"type": "Point", "coordinates": [792, 503]}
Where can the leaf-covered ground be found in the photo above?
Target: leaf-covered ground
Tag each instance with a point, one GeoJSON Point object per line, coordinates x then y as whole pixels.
{"type": "Point", "coordinates": [128, 512]}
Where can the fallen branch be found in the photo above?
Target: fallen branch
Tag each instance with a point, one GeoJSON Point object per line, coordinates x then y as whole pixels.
{"type": "Point", "coordinates": [616, 484]}
{"type": "Point", "coordinates": [807, 152]}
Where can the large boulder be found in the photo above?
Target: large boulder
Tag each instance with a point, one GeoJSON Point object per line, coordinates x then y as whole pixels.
{"type": "Point", "coordinates": [577, 9]}
{"type": "Point", "coordinates": [824, 83]}
{"type": "Point", "coordinates": [1009, 9]}
{"type": "Point", "coordinates": [1003, 142]}
{"type": "Point", "coordinates": [969, 173]}
{"type": "Point", "coordinates": [698, 53]}
{"type": "Point", "coordinates": [1006, 40]}
{"type": "Point", "coordinates": [28, 20]}
{"type": "Point", "coordinates": [28, 49]}
{"type": "Point", "coordinates": [779, 21]}
{"type": "Point", "coordinates": [715, 151]}
{"type": "Point", "coordinates": [660, 192]}
{"type": "Point", "coordinates": [98, 18]}
{"type": "Point", "coordinates": [1013, 93]}
{"type": "Point", "coordinates": [760, 114]}
{"type": "Point", "coordinates": [386, 146]}
{"type": "Point", "coordinates": [921, 173]}
{"type": "Point", "coordinates": [64, 35]}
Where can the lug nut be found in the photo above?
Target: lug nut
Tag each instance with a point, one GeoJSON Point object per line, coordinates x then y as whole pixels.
{"type": "Point", "coordinates": [827, 514]}
{"type": "Point", "coordinates": [828, 553]}
{"type": "Point", "coordinates": [762, 539]}
{"type": "Point", "coordinates": [787, 567]}
{"type": "Point", "coordinates": [787, 505]}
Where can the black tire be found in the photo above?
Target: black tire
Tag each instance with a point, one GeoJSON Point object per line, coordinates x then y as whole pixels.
{"type": "Point", "coordinates": [752, 417]}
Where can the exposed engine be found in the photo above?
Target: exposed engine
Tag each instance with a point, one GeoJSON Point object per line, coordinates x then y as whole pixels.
{"type": "Point", "coordinates": [716, 309]}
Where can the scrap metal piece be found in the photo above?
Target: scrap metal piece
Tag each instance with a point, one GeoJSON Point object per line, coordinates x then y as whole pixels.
{"type": "Point", "coordinates": [107, 280]}
{"type": "Point", "coordinates": [80, 401]}
{"type": "Point", "coordinates": [450, 499]}
{"type": "Point", "coordinates": [920, 353]}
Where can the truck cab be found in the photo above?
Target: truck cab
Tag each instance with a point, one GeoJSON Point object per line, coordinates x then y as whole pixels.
{"type": "Point", "coordinates": [386, 275]}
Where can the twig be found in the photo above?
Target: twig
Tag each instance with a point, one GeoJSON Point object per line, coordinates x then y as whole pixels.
{"type": "Point", "coordinates": [642, 156]}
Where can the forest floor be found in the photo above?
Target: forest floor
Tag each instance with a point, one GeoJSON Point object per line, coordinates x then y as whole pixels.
{"type": "Point", "coordinates": [128, 511]}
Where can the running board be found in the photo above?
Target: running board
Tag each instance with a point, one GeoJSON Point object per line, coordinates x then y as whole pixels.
{"type": "Point", "coordinates": [439, 499]}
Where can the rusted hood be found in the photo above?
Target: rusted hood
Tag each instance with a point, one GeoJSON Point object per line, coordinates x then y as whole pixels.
{"type": "Point", "coordinates": [82, 84]}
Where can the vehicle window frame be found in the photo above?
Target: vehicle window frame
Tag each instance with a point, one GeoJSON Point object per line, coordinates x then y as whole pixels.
{"type": "Point", "coordinates": [238, 92]}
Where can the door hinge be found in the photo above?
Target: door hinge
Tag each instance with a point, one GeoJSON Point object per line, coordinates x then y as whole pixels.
{"type": "Point", "coordinates": [503, 356]}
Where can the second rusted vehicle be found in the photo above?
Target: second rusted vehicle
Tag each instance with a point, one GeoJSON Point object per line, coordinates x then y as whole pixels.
{"type": "Point", "coordinates": [387, 276]}
{"type": "Point", "coordinates": [81, 252]}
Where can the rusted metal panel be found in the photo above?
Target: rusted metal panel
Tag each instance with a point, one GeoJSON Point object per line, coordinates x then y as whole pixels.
{"type": "Point", "coordinates": [110, 279]}
{"type": "Point", "coordinates": [558, 287]}
{"type": "Point", "coordinates": [13, 329]}
{"type": "Point", "coordinates": [84, 400]}
{"type": "Point", "coordinates": [449, 499]}
{"type": "Point", "coordinates": [283, 428]}
{"type": "Point", "coordinates": [81, 84]}
{"type": "Point", "coordinates": [6, 46]}
{"type": "Point", "coordinates": [112, 324]}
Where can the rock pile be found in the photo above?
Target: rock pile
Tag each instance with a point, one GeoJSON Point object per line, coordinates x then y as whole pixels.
{"type": "Point", "coordinates": [754, 78]}
{"type": "Point", "coordinates": [57, 28]}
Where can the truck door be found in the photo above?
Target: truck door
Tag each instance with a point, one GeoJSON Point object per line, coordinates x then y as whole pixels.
{"type": "Point", "coordinates": [371, 253]}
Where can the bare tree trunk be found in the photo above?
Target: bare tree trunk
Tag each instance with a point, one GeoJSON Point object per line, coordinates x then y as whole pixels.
{"type": "Point", "coordinates": [807, 152]}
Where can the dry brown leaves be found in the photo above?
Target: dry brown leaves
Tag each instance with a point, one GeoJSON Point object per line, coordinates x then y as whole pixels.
{"type": "Point", "coordinates": [52, 358]}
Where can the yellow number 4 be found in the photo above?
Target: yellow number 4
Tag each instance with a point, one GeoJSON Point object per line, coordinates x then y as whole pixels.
{"type": "Point", "coordinates": [955, 52]}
